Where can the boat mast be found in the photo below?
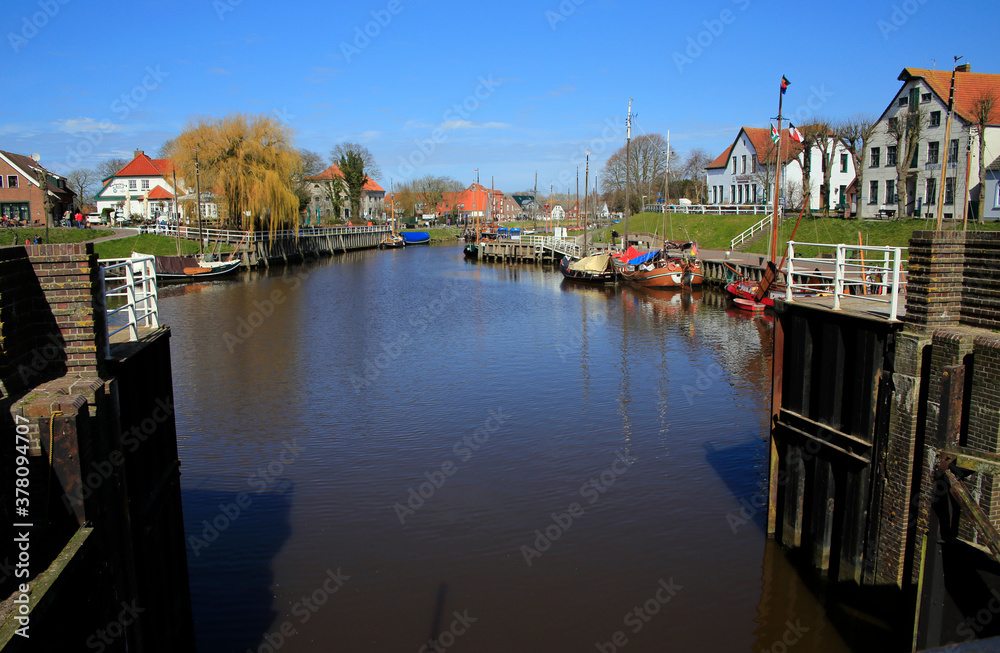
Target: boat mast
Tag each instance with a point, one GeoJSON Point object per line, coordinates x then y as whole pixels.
{"type": "Point", "coordinates": [176, 216]}
{"type": "Point", "coordinates": [666, 194]}
{"type": "Point", "coordinates": [578, 197]}
{"type": "Point", "coordinates": [197, 184]}
{"type": "Point", "coordinates": [534, 206]}
{"type": "Point", "coordinates": [628, 140]}
{"type": "Point", "coordinates": [586, 193]}
{"type": "Point", "coordinates": [777, 181]}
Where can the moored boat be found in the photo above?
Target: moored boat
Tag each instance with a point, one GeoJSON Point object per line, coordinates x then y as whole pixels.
{"type": "Point", "coordinates": [658, 269]}
{"type": "Point", "coordinates": [392, 241]}
{"type": "Point", "coordinates": [416, 237]}
{"type": "Point", "coordinates": [188, 268]}
{"type": "Point", "coordinates": [592, 269]}
{"type": "Point", "coordinates": [471, 251]}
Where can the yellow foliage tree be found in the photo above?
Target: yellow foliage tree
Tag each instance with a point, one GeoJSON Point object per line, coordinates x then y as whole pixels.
{"type": "Point", "coordinates": [248, 160]}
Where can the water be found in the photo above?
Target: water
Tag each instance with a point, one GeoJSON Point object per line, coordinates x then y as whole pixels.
{"type": "Point", "coordinates": [375, 446]}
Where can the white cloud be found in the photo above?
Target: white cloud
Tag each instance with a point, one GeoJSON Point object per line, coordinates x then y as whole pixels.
{"type": "Point", "coordinates": [81, 125]}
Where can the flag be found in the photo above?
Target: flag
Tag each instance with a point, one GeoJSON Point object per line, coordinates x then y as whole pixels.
{"type": "Point", "coordinates": [784, 84]}
{"type": "Point", "coordinates": [795, 133]}
{"type": "Point", "coordinates": [775, 136]}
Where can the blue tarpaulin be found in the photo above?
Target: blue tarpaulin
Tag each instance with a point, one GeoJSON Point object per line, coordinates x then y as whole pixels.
{"type": "Point", "coordinates": [642, 258]}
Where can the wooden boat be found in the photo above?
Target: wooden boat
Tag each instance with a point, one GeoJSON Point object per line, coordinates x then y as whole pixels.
{"type": "Point", "coordinates": [471, 251]}
{"type": "Point", "coordinates": [393, 241]}
{"type": "Point", "coordinates": [188, 268]}
{"type": "Point", "coordinates": [592, 269]}
{"type": "Point", "coordinates": [416, 237]}
{"type": "Point", "coordinates": [749, 305]}
{"type": "Point", "coordinates": [656, 269]}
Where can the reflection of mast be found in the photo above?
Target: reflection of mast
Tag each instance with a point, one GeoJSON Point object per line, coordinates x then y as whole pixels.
{"type": "Point", "coordinates": [624, 387]}
{"type": "Point", "coordinates": [584, 356]}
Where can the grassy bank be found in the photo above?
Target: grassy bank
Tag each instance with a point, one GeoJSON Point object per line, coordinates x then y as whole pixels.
{"type": "Point", "coordinates": [439, 234]}
{"type": "Point", "coordinates": [144, 244]}
{"type": "Point", "coordinates": [56, 235]}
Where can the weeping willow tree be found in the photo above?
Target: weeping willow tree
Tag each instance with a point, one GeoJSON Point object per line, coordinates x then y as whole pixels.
{"type": "Point", "coordinates": [249, 161]}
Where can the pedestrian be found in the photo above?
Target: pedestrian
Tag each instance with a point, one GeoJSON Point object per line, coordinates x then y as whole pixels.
{"type": "Point", "coordinates": [79, 219]}
{"type": "Point", "coordinates": [36, 240]}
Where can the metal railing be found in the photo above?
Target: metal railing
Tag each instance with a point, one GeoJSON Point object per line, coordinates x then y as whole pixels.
{"type": "Point", "coordinates": [235, 236]}
{"type": "Point", "coordinates": [133, 280]}
{"type": "Point", "coordinates": [711, 209]}
{"type": "Point", "coordinates": [877, 278]}
{"type": "Point", "coordinates": [763, 224]}
{"type": "Point", "coordinates": [564, 246]}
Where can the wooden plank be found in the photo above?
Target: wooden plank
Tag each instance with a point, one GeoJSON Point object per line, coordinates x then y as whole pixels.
{"type": "Point", "coordinates": [966, 458]}
{"type": "Point", "coordinates": [777, 380]}
{"type": "Point", "coordinates": [823, 504]}
{"type": "Point", "coordinates": [823, 431]}
{"type": "Point", "coordinates": [980, 521]}
{"type": "Point", "coordinates": [823, 443]}
{"type": "Point", "coordinates": [854, 524]}
{"type": "Point", "coordinates": [952, 394]}
{"type": "Point", "coordinates": [794, 490]}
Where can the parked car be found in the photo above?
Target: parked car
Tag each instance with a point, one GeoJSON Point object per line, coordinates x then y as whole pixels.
{"type": "Point", "coordinates": [94, 218]}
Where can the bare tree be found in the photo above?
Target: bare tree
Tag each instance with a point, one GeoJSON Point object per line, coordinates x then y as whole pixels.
{"type": "Point", "coordinates": [164, 151]}
{"type": "Point", "coordinates": [904, 132]}
{"type": "Point", "coordinates": [109, 167]}
{"type": "Point", "coordinates": [371, 168]}
{"type": "Point", "coordinates": [312, 163]}
{"type": "Point", "coordinates": [82, 181]}
{"type": "Point", "coordinates": [812, 136]}
{"type": "Point", "coordinates": [983, 106]}
{"type": "Point", "coordinates": [335, 192]}
{"type": "Point", "coordinates": [855, 133]}
{"type": "Point", "coordinates": [430, 191]}
{"type": "Point", "coordinates": [647, 166]}
{"type": "Point", "coordinates": [694, 169]}
{"type": "Point", "coordinates": [826, 144]}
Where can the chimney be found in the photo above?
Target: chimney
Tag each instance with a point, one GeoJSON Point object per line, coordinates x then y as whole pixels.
{"type": "Point", "coordinates": [964, 68]}
{"type": "Point", "coordinates": [138, 153]}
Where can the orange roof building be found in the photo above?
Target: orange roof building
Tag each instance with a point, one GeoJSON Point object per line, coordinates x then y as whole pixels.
{"type": "Point", "coordinates": [926, 92]}
{"type": "Point", "coordinates": [143, 187]}
{"type": "Point", "coordinates": [321, 207]}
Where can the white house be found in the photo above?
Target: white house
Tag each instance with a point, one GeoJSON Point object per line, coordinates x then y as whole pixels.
{"type": "Point", "coordinates": [991, 209]}
{"type": "Point", "coordinates": [925, 92]}
{"type": "Point", "coordinates": [144, 187]}
{"type": "Point", "coordinates": [372, 198]}
{"type": "Point", "coordinates": [744, 173]}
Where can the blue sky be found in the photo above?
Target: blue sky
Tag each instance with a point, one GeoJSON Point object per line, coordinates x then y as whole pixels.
{"type": "Point", "coordinates": [446, 88]}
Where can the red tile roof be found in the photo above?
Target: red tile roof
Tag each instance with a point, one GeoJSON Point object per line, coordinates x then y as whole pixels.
{"type": "Point", "coordinates": [722, 161]}
{"type": "Point", "coordinates": [160, 193]}
{"type": "Point", "coordinates": [143, 166]}
{"type": "Point", "coordinates": [334, 170]}
{"type": "Point", "coordinates": [968, 87]}
{"type": "Point", "coordinates": [761, 140]}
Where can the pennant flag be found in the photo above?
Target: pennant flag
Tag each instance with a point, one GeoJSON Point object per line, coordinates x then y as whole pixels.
{"type": "Point", "coordinates": [795, 133]}
{"type": "Point", "coordinates": [775, 136]}
{"type": "Point", "coordinates": [784, 84]}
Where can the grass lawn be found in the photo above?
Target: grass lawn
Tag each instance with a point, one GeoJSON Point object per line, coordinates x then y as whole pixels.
{"type": "Point", "coordinates": [711, 231]}
{"type": "Point", "coordinates": [444, 234]}
{"type": "Point", "coordinates": [56, 235]}
{"type": "Point", "coordinates": [144, 244]}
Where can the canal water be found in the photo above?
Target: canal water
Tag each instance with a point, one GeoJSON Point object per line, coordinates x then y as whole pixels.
{"type": "Point", "coordinates": [385, 448]}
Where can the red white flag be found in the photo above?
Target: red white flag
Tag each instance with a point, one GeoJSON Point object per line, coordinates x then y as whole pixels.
{"type": "Point", "coordinates": [795, 133]}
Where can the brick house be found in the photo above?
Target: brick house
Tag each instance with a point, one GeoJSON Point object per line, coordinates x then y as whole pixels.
{"type": "Point", "coordinates": [21, 195]}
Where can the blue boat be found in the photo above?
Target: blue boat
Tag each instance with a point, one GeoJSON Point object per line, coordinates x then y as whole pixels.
{"type": "Point", "coordinates": [416, 237]}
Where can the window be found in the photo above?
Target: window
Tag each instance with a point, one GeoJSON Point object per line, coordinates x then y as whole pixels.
{"type": "Point", "coordinates": [935, 119]}
{"type": "Point", "coordinates": [949, 190]}
{"type": "Point", "coordinates": [933, 152]}
{"type": "Point", "coordinates": [11, 181]}
{"type": "Point", "coordinates": [753, 164]}
{"type": "Point", "coordinates": [741, 194]}
{"type": "Point", "coordinates": [1, 181]}
{"type": "Point", "coordinates": [903, 101]}
{"type": "Point", "coordinates": [890, 191]}
{"type": "Point", "coordinates": [732, 194]}
{"type": "Point", "coordinates": [890, 156]}
{"type": "Point", "coordinates": [893, 123]}
{"type": "Point", "coordinates": [873, 192]}
{"type": "Point", "coordinates": [743, 165]}
{"type": "Point", "coordinates": [914, 96]}
{"type": "Point", "coordinates": [876, 152]}
{"type": "Point", "coordinates": [131, 184]}
{"type": "Point", "coordinates": [925, 97]}
{"type": "Point", "coordinates": [734, 165]}
{"type": "Point", "coordinates": [843, 162]}
{"type": "Point", "coordinates": [931, 191]}
{"type": "Point", "coordinates": [996, 199]}
{"type": "Point", "coordinates": [145, 184]}
{"type": "Point", "coordinates": [953, 151]}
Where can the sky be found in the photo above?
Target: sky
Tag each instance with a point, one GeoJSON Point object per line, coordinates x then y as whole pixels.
{"type": "Point", "coordinates": [505, 89]}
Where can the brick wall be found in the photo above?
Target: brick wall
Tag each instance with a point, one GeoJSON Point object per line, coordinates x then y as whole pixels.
{"type": "Point", "coordinates": [51, 320]}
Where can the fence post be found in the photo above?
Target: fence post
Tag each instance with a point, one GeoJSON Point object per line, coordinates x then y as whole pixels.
{"type": "Point", "coordinates": [133, 331]}
{"type": "Point", "coordinates": [104, 303]}
{"type": "Point", "coordinates": [789, 291]}
{"type": "Point", "coordinates": [838, 277]}
{"type": "Point", "coordinates": [896, 264]}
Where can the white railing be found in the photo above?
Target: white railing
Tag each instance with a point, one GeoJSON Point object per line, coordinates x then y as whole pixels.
{"type": "Point", "coordinates": [877, 277]}
{"type": "Point", "coordinates": [749, 233]}
{"type": "Point", "coordinates": [235, 236]}
{"type": "Point", "coordinates": [711, 209]}
{"type": "Point", "coordinates": [134, 280]}
{"type": "Point", "coordinates": [565, 246]}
